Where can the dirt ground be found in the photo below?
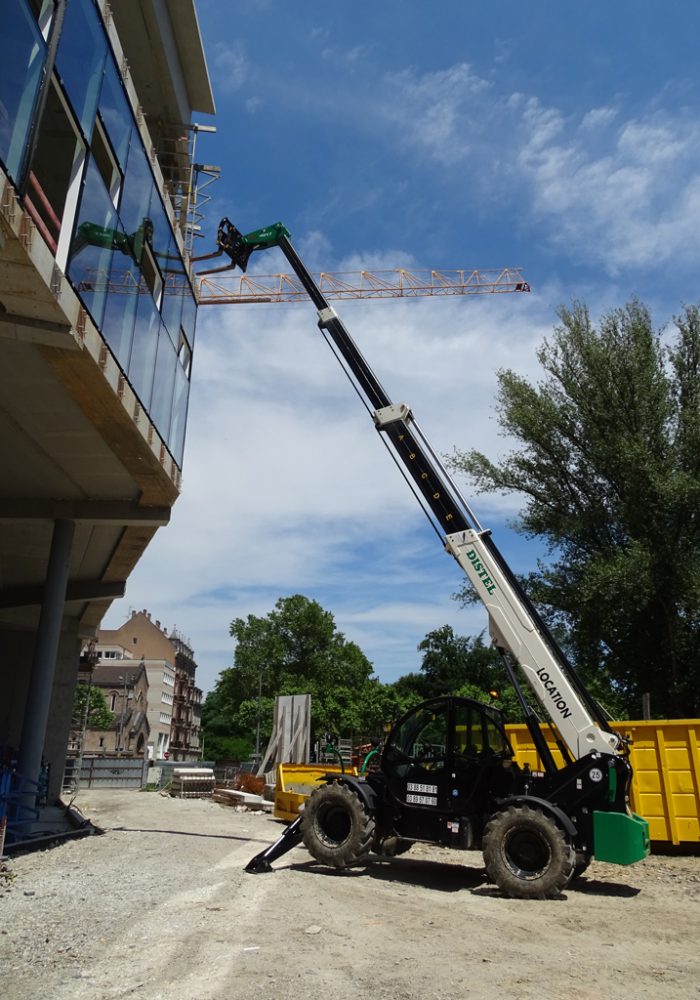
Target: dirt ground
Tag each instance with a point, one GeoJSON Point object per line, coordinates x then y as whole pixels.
{"type": "Point", "coordinates": [159, 908]}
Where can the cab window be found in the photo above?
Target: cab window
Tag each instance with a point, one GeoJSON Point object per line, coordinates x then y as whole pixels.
{"type": "Point", "coordinates": [496, 739]}
{"type": "Point", "coordinates": [468, 731]}
{"type": "Point", "coordinates": [476, 733]}
{"type": "Point", "coordinates": [422, 737]}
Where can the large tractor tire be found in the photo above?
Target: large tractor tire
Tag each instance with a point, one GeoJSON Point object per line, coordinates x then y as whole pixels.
{"type": "Point", "coordinates": [336, 828]}
{"type": "Point", "coordinates": [526, 854]}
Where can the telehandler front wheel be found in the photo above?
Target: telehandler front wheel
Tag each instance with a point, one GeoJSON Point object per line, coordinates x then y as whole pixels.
{"type": "Point", "coordinates": [336, 828]}
{"type": "Point", "coordinates": [526, 854]}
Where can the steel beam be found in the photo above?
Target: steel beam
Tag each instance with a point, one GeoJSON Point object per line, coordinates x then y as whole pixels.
{"type": "Point", "coordinates": [123, 513]}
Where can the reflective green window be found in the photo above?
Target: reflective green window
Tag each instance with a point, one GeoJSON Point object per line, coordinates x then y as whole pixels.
{"type": "Point", "coordinates": [175, 287]}
{"type": "Point", "coordinates": [189, 315]}
{"type": "Point", "coordinates": [92, 247]}
{"type": "Point", "coordinates": [120, 308]}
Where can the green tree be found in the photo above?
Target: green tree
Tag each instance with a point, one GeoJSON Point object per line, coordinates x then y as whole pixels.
{"type": "Point", "coordinates": [464, 665]}
{"type": "Point", "coordinates": [296, 649]}
{"type": "Point", "coordinates": [450, 661]}
{"type": "Point", "coordinates": [608, 460]}
{"type": "Point", "coordinates": [219, 739]}
{"type": "Point", "coordinates": [90, 705]}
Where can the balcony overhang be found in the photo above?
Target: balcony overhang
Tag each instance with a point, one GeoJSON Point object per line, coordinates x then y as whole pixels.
{"type": "Point", "coordinates": [75, 441]}
{"type": "Point", "coordinates": [164, 50]}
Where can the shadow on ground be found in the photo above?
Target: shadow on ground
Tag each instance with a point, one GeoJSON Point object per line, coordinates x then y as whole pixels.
{"type": "Point", "coordinates": [186, 833]}
{"type": "Point", "coordinates": [450, 877]}
{"type": "Point", "coordinates": [594, 887]}
{"type": "Point", "coordinates": [409, 871]}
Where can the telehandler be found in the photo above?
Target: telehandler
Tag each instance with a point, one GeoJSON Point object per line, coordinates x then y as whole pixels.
{"type": "Point", "coordinates": [447, 774]}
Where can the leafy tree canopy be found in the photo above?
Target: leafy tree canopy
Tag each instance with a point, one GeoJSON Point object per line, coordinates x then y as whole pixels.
{"type": "Point", "coordinates": [272, 657]}
{"type": "Point", "coordinates": [297, 649]}
{"type": "Point", "coordinates": [463, 665]}
{"type": "Point", "coordinates": [90, 705]}
{"type": "Point", "coordinates": [220, 741]}
{"type": "Point", "coordinates": [608, 460]}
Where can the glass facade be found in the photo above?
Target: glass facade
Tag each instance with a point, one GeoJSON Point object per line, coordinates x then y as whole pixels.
{"type": "Point", "coordinates": [22, 58]}
{"type": "Point", "coordinates": [80, 63]}
{"type": "Point", "coordinates": [114, 112]}
{"type": "Point", "coordinates": [89, 259]}
{"type": "Point", "coordinates": [123, 258]}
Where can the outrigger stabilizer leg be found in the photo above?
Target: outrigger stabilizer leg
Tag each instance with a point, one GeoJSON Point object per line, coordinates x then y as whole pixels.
{"type": "Point", "coordinates": [263, 862]}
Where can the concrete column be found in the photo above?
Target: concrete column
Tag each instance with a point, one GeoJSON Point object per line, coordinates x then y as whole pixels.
{"type": "Point", "coordinates": [36, 713]}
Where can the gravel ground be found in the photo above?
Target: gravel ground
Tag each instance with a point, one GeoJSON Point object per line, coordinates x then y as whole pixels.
{"type": "Point", "coordinates": [159, 908]}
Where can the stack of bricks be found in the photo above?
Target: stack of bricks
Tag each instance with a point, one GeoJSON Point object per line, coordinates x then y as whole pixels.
{"type": "Point", "coordinates": [192, 783]}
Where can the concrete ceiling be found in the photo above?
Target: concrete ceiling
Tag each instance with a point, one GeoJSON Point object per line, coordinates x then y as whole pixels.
{"type": "Point", "coordinates": [148, 30]}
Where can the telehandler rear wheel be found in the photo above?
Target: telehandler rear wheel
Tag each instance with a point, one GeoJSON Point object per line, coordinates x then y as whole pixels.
{"type": "Point", "coordinates": [336, 828]}
{"type": "Point", "coordinates": [526, 854]}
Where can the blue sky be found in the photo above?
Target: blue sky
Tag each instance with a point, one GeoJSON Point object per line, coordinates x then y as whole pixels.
{"type": "Point", "coordinates": [563, 138]}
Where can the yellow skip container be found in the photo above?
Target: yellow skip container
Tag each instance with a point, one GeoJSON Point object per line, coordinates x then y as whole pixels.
{"type": "Point", "coordinates": [665, 758]}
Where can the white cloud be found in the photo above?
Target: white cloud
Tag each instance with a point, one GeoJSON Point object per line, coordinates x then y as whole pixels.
{"type": "Point", "coordinates": [288, 489]}
{"type": "Point", "coordinates": [653, 141]}
{"type": "Point", "coordinates": [316, 250]}
{"type": "Point", "coordinates": [611, 190]}
{"type": "Point", "coordinates": [230, 66]}
{"type": "Point", "coordinates": [348, 57]}
{"type": "Point", "coordinates": [503, 49]}
{"type": "Point", "coordinates": [253, 105]}
{"type": "Point", "coordinates": [439, 112]}
{"type": "Point", "coordinates": [541, 125]}
{"type": "Point", "coordinates": [629, 202]}
{"type": "Point", "coordinates": [598, 118]}
{"type": "Point", "coordinates": [378, 261]}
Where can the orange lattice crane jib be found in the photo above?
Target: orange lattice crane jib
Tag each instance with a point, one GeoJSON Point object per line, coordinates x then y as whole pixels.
{"type": "Point", "coordinates": [395, 283]}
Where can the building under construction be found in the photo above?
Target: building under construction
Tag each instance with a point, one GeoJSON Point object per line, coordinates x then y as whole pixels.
{"type": "Point", "coordinates": [98, 106]}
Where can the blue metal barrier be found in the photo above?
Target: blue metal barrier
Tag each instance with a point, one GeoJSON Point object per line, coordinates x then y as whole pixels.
{"type": "Point", "coordinates": [14, 787]}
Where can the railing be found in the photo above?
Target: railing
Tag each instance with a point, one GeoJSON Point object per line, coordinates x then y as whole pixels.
{"type": "Point", "coordinates": [40, 220]}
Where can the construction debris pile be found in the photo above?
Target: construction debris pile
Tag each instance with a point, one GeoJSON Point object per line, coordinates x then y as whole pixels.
{"type": "Point", "coordinates": [244, 790]}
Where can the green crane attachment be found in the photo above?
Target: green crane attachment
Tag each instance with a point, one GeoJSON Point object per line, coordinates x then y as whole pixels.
{"type": "Point", "coordinates": [239, 246]}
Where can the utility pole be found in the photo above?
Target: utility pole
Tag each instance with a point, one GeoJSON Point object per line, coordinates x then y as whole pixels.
{"type": "Point", "coordinates": [257, 727]}
{"type": "Point", "coordinates": [127, 679]}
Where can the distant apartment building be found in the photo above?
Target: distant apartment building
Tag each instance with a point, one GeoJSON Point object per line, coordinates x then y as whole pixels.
{"type": "Point", "coordinates": [174, 701]}
{"type": "Point", "coordinates": [97, 325]}
{"type": "Point", "coordinates": [186, 729]}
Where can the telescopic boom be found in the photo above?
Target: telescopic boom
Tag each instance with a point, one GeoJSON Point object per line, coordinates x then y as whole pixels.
{"type": "Point", "coordinates": [515, 626]}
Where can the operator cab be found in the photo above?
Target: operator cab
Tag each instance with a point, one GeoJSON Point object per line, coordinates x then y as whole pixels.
{"type": "Point", "coordinates": [443, 759]}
